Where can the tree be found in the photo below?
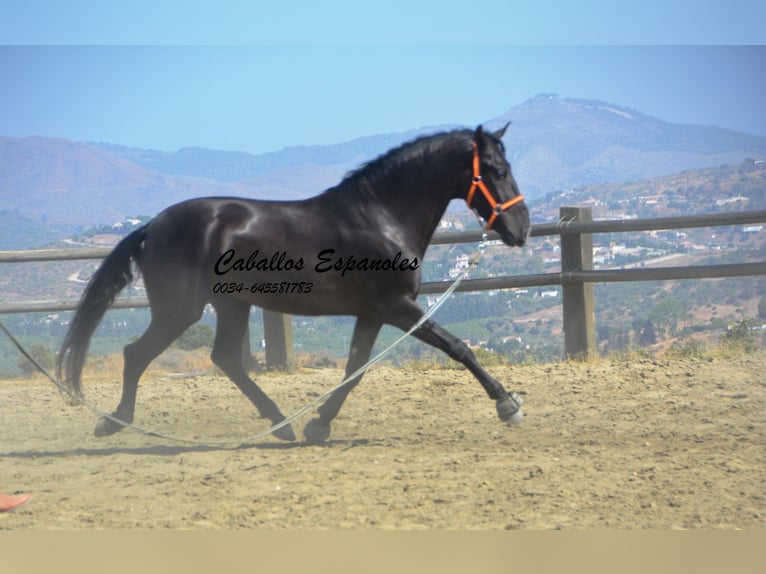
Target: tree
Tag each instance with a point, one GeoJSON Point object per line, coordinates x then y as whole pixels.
{"type": "Point", "coordinates": [742, 334]}
{"type": "Point", "coordinates": [645, 333]}
{"type": "Point", "coordinates": [666, 314]}
{"type": "Point", "coordinates": [40, 353]}
{"type": "Point", "coordinates": [196, 336]}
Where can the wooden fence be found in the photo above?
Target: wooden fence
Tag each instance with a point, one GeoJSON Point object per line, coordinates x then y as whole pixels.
{"type": "Point", "coordinates": [575, 229]}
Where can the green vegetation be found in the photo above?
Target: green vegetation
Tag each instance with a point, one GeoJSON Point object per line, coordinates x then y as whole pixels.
{"type": "Point", "coordinates": [122, 228]}
{"type": "Point", "coordinates": [196, 336]}
{"type": "Point", "coordinates": [743, 334]}
{"type": "Point", "coordinates": [44, 356]}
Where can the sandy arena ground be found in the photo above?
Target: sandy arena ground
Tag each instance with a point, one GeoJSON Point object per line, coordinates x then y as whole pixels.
{"type": "Point", "coordinates": [637, 444]}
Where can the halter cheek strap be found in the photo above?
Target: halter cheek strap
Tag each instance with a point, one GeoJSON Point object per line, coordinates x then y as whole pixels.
{"type": "Point", "coordinates": [478, 183]}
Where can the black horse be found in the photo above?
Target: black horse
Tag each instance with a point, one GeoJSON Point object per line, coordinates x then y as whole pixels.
{"type": "Point", "coordinates": [355, 250]}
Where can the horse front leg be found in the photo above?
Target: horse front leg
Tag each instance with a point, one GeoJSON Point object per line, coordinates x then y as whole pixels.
{"type": "Point", "coordinates": [508, 405]}
{"type": "Point", "coordinates": [232, 318]}
{"type": "Point", "coordinates": [365, 332]}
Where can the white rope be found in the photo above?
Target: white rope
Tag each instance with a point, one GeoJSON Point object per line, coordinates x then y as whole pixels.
{"type": "Point", "coordinates": [300, 412]}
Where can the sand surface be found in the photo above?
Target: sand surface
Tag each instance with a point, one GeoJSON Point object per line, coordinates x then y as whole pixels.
{"type": "Point", "coordinates": [608, 444]}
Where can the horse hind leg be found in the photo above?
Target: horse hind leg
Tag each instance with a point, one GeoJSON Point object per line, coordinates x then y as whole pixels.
{"type": "Point", "coordinates": [162, 331]}
{"type": "Point", "coordinates": [232, 317]}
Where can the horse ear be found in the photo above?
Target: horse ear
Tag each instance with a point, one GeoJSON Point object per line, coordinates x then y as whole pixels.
{"type": "Point", "coordinates": [501, 132]}
{"type": "Point", "coordinates": [478, 135]}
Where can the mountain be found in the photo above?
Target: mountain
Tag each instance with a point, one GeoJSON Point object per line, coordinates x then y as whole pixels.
{"type": "Point", "coordinates": [558, 143]}
{"type": "Point", "coordinates": [230, 166]}
{"type": "Point", "coordinates": [22, 231]}
{"type": "Point", "coordinates": [78, 184]}
{"type": "Point", "coordinates": [553, 144]}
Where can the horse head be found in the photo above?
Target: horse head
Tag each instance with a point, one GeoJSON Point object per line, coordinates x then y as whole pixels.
{"type": "Point", "coordinates": [494, 193]}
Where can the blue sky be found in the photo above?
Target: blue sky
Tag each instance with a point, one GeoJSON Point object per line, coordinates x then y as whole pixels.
{"type": "Point", "coordinates": [259, 76]}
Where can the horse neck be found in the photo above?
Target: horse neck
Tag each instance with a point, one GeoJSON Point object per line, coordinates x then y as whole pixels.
{"type": "Point", "coordinates": [414, 196]}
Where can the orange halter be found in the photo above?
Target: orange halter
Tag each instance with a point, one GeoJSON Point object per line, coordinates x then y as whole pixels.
{"type": "Point", "coordinates": [478, 182]}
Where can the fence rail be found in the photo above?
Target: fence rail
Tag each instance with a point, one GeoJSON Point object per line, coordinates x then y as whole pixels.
{"type": "Point", "coordinates": [575, 228]}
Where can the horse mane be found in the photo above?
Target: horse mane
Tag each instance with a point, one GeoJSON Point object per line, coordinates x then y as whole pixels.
{"type": "Point", "coordinates": [414, 150]}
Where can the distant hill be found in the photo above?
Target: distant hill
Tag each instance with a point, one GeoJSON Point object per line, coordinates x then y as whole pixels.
{"type": "Point", "coordinates": [558, 143]}
{"type": "Point", "coordinates": [735, 187]}
{"type": "Point", "coordinates": [22, 231]}
{"type": "Point", "coordinates": [554, 144]}
{"type": "Point", "coordinates": [230, 166]}
{"type": "Point", "coordinates": [74, 183]}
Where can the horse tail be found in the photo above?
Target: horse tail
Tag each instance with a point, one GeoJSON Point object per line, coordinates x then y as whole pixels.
{"type": "Point", "coordinates": [110, 278]}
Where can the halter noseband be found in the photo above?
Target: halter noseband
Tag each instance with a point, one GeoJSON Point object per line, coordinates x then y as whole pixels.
{"type": "Point", "coordinates": [478, 182]}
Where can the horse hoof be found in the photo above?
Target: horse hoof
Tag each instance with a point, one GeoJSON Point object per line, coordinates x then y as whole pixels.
{"type": "Point", "coordinates": [509, 410]}
{"type": "Point", "coordinates": [514, 419]}
{"type": "Point", "coordinates": [316, 432]}
{"type": "Point", "coordinates": [106, 427]}
{"type": "Point", "coordinates": [285, 433]}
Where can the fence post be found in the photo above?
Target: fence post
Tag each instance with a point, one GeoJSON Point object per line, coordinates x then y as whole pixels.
{"type": "Point", "coordinates": [278, 332]}
{"type": "Point", "coordinates": [248, 361]}
{"type": "Point", "coordinates": [579, 313]}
